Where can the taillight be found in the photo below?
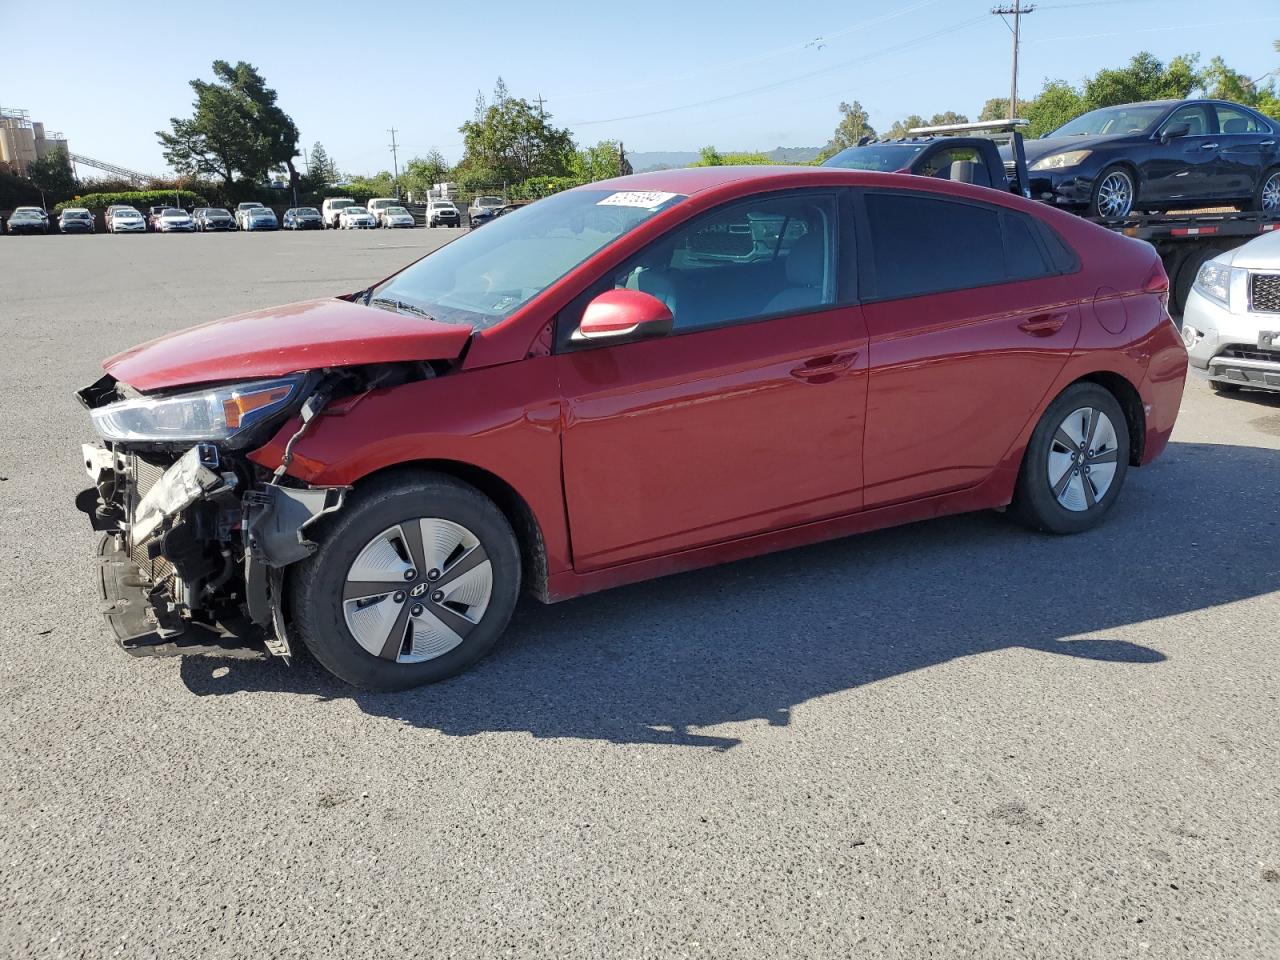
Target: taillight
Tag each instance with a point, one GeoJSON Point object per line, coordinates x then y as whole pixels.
{"type": "Point", "coordinates": [1157, 282]}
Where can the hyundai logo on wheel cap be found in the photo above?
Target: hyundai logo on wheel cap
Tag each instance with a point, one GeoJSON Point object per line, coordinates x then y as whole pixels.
{"type": "Point", "coordinates": [418, 590]}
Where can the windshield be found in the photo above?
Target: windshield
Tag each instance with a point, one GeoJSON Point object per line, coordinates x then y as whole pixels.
{"type": "Point", "coordinates": [340, 204]}
{"type": "Point", "coordinates": [171, 212]}
{"type": "Point", "coordinates": [261, 212]}
{"type": "Point", "coordinates": [482, 278]}
{"type": "Point", "coordinates": [442, 205]}
{"type": "Point", "coordinates": [75, 214]}
{"type": "Point", "coordinates": [488, 201]}
{"type": "Point", "coordinates": [217, 212]}
{"type": "Point", "coordinates": [1131, 119]}
{"type": "Point", "coordinates": [308, 212]}
{"type": "Point", "coordinates": [355, 210]}
{"type": "Point", "coordinates": [127, 215]}
{"type": "Point", "coordinates": [885, 157]}
{"type": "Point", "coordinates": [394, 210]}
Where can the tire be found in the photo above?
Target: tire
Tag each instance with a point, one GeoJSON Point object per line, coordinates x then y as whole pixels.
{"type": "Point", "coordinates": [1266, 199]}
{"type": "Point", "coordinates": [419, 645]}
{"type": "Point", "coordinates": [1114, 194]}
{"type": "Point", "coordinates": [1187, 271]}
{"type": "Point", "coordinates": [1084, 500]}
{"type": "Point", "coordinates": [1218, 386]}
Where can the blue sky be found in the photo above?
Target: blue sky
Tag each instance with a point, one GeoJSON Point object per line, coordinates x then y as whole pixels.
{"type": "Point", "coordinates": [661, 75]}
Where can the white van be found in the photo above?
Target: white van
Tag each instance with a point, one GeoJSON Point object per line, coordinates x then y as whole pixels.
{"type": "Point", "coordinates": [332, 208]}
{"type": "Point", "coordinates": [377, 205]}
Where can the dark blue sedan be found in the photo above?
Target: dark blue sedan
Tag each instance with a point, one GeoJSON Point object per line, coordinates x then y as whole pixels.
{"type": "Point", "coordinates": [1159, 155]}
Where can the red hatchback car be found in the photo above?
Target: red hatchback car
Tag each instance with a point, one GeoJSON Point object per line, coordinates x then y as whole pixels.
{"type": "Point", "coordinates": [625, 380]}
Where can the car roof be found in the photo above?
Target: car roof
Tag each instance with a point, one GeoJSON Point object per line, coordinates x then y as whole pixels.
{"type": "Point", "coordinates": [749, 179]}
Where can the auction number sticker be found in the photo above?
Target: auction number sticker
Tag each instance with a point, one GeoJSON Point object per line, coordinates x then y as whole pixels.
{"type": "Point", "coordinates": [645, 199]}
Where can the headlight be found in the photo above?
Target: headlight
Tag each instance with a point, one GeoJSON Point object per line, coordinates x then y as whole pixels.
{"type": "Point", "coordinates": [1214, 281]}
{"type": "Point", "coordinates": [216, 414]}
{"type": "Point", "coordinates": [1059, 160]}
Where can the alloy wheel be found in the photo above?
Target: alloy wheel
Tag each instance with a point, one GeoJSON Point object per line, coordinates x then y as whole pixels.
{"type": "Point", "coordinates": [1115, 195]}
{"type": "Point", "coordinates": [1271, 194]}
{"type": "Point", "coordinates": [417, 589]}
{"type": "Point", "coordinates": [1082, 459]}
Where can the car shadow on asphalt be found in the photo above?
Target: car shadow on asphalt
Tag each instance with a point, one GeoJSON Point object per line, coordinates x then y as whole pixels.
{"type": "Point", "coordinates": [661, 662]}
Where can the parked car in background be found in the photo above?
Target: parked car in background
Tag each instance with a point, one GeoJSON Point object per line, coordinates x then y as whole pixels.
{"type": "Point", "coordinates": [705, 317]}
{"type": "Point", "coordinates": [1159, 155]}
{"type": "Point", "coordinates": [121, 219]}
{"type": "Point", "coordinates": [242, 209]}
{"type": "Point", "coordinates": [1231, 324]}
{"type": "Point", "coordinates": [28, 220]}
{"type": "Point", "coordinates": [442, 213]}
{"type": "Point", "coordinates": [259, 218]}
{"type": "Point", "coordinates": [331, 208]}
{"type": "Point", "coordinates": [397, 217]}
{"type": "Point", "coordinates": [153, 215]}
{"type": "Point", "coordinates": [211, 219]}
{"type": "Point", "coordinates": [110, 212]}
{"type": "Point", "coordinates": [484, 209]}
{"type": "Point", "coordinates": [355, 218]}
{"type": "Point", "coordinates": [377, 205]}
{"type": "Point", "coordinates": [75, 220]}
{"type": "Point", "coordinates": [173, 220]}
{"type": "Point", "coordinates": [302, 218]}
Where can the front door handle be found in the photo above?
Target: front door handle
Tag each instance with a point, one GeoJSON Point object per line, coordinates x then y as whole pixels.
{"type": "Point", "coordinates": [827, 366]}
{"type": "Point", "coordinates": [1043, 324]}
{"type": "Point", "coordinates": [1267, 143]}
{"type": "Point", "coordinates": [1208, 146]}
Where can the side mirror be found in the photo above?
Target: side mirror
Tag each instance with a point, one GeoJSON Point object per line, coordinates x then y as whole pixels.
{"type": "Point", "coordinates": [1177, 130]}
{"type": "Point", "coordinates": [617, 315]}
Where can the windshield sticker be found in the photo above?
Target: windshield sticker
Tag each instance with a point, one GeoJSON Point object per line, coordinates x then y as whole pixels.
{"type": "Point", "coordinates": [645, 199]}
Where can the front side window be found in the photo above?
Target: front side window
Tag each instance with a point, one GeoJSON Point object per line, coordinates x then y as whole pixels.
{"type": "Point", "coordinates": [922, 245]}
{"type": "Point", "coordinates": [484, 277]}
{"type": "Point", "coordinates": [751, 259]}
{"type": "Point", "coordinates": [1195, 116]}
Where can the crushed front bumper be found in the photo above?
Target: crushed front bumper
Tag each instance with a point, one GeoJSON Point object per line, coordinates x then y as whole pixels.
{"type": "Point", "coordinates": [194, 547]}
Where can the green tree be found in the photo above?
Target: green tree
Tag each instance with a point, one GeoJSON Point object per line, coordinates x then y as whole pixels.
{"type": "Point", "coordinates": [600, 162]}
{"type": "Point", "coordinates": [321, 168]}
{"type": "Point", "coordinates": [997, 108]}
{"type": "Point", "coordinates": [1144, 78]}
{"type": "Point", "coordinates": [513, 139]}
{"type": "Point", "coordinates": [236, 128]}
{"type": "Point", "coordinates": [709, 157]}
{"type": "Point", "coordinates": [422, 173]}
{"type": "Point", "coordinates": [1056, 103]}
{"type": "Point", "coordinates": [853, 126]}
{"type": "Point", "coordinates": [52, 173]}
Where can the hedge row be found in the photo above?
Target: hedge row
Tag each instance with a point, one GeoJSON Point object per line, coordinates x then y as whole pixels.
{"type": "Point", "coordinates": [97, 202]}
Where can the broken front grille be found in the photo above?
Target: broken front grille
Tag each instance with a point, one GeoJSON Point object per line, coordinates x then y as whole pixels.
{"type": "Point", "coordinates": [145, 476]}
{"type": "Point", "coordinates": [1264, 292]}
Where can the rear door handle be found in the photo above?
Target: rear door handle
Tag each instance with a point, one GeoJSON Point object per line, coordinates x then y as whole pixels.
{"type": "Point", "coordinates": [1043, 324]}
{"type": "Point", "coordinates": [826, 366]}
{"type": "Point", "coordinates": [1208, 146]}
{"type": "Point", "coordinates": [1267, 143]}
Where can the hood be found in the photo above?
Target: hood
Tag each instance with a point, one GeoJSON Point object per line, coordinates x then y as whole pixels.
{"type": "Point", "coordinates": [1035, 149]}
{"type": "Point", "coordinates": [284, 340]}
{"type": "Point", "coordinates": [1261, 253]}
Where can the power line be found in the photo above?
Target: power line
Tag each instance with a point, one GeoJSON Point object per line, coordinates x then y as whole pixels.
{"type": "Point", "coordinates": [1016, 11]}
{"type": "Point", "coordinates": [782, 83]}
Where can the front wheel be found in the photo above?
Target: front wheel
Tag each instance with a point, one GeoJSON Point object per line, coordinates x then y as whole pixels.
{"type": "Point", "coordinates": [1113, 194]}
{"type": "Point", "coordinates": [1075, 463]}
{"type": "Point", "coordinates": [1217, 386]}
{"type": "Point", "coordinates": [414, 581]}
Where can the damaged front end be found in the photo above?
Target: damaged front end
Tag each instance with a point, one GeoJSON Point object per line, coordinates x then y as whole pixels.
{"type": "Point", "coordinates": [196, 536]}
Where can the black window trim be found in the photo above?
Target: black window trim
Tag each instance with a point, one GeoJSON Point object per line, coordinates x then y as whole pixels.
{"type": "Point", "coordinates": [865, 243]}
{"type": "Point", "coordinates": [1268, 126]}
{"type": "Point", "coordinates": [846, 273]}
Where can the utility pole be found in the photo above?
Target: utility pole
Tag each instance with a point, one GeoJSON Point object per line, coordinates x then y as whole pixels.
{"type": "Point", "coordinates": [395, 161]}
{"type": "Point", "coordinates": [542, 114]}
{"type": "Point", "coordinates": [1016, 11]}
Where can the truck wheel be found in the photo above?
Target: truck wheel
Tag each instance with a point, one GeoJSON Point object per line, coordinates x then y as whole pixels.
{"type": "Point", "coordinates": [1187, 271]}
{"type": "Point", "coordinates": [1217, 386]}
{"type": "Point", "coordinates": [1075, 464]}
{"type": "Point", "coordinates": [1266, 199]}
{"type": "Point", "coordinates": [414, 581]}
{"type": "Point", "coordinates": [1113, 194]}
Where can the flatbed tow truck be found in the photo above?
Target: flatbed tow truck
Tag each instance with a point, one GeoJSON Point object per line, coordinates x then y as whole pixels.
{"type": "Point", "coordinates": [1184, 239]}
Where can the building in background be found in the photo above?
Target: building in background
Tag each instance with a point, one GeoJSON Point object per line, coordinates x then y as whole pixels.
{"type": "Point", "coordinates": [22, 142]}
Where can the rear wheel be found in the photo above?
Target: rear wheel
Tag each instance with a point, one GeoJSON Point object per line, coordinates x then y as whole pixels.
{"type": "Point", "coordinates": [1266, 198]}
{"type": "Point", "coordinates": [413, 582]}
{"type": "Point", "coordinates": [1075, 464]}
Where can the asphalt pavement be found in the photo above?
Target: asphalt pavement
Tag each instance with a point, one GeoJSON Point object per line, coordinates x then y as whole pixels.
{"type": "Point", "coordinates": [954, 739]}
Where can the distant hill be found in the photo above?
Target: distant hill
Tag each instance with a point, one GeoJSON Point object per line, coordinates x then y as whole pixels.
{"type": "Point", "coordinates": [666, 159]}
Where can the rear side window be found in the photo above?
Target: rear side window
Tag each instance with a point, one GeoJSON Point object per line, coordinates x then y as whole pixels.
{"type": "Point", "coordinates": [922, 245]}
